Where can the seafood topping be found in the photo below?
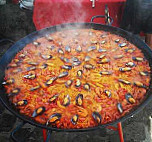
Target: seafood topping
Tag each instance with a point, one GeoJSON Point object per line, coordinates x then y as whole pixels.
{"type": "Point", "coordinates": [139, 59]}
{"type": "Point", "coordinates": [91, 48]}
{"type": "Point", "coordinates": [43, 66]}
{"type": "Point", "coordinates": [35, 88]}
{"type": "Point", "coordinates": [119, 107]}
{"type": "Point", "coordinates": [60, 51]}
{"type": "Point", "coordinates": [105, 72]}
{"type": "Point", "coordinates": [31, 68]}
{"type": "Point", "coordinates": [78, 48]}
{"type": "Point", "coordinates": [118, 56]}
{"type": "Point", "coordinates": [50, 81]}
{"type": "Point", "coordinates": [76, 63]}
{"type": "Point", "coordinates": [117, 40]}
{"type": "Point", "coordinates": [53, 118]}
{"type": "Point", "coordinates": [9, 81]}
{"type": "Point", "coordinates": [124, 81]}
{"type": "Point", "coordinates": [79, 99]}
{"type": "Point", "coordinates": [102, 50]}
{"type": "Point", "coordinates": [53, 98]}
{"type": "Point", "coordinates": [125, 69]}
{"type": "Point", "coordinates": [130, 50]}
{"type": "Point", "coordinates": [101, 56]}
{"type": "Point", "coordinates": [139, 84]}
{"type": "Point", "coordinates": [103, 42]}
{"type": "Point", "coordinates": [87, 58]}
{"type": "Point", "coordinates": [97, 117]}
{"type": "Point", "coordinates": [108, 93]}
{"type": "Point", "coordinates": [14, 92]}
{"type": "Point", "coordinates": [86, 86]}
{"type": "Point", "coordinates": [66, 60]}
{"type": "Point", "coordinates": [78, 83]}
{"type": "Point", "coordinates": [46, 57]}
{"type": "Point", "coordinates": [49, 38]}
{"type": "Point", "coordinates": [13, 65]}
{"type": "Point", "coordinates": [17, 70]}
{"type": "Point", "coordinates": [67, 67]}
{"type": "Point", "coordinates": [103, 61]}
{"type": "Point", "coordinates": [38, 111]}
{"type": "Point", "coordinates": [30, 76]}
{"type": "Point", "coordinates": [51, 47]}
{"type": "Point", "coordinates": [21, 103]}
{"type": "Point", "coordinates": [63, 74]}
{"type": "Point", "coordinates": [33, 63]}
{"type": "Point", "coordinates": [144, 73]}
{"type": "Point", "coordinates": [79, 73]}
{"type": "Point", "coordinates": [74, 119]}
{"type": "Point", "coordinates": [36, 43]}
{"type": "Point", "coordinates": [130, 98]}
{"type": "Point", "coordinates": [74, 59]}
{"type": "Point", "coordinates": [21, 55]}
{"type": "Point", "coordinates": [88, 66]}
{"type": "Point", "coordinates": [130, 64]}
{"type": "Point", "coordinates": [68, 83]}
{"type": "Point", "coordinates": [66, 100]}
{"type": "Point", "coordinates": [68, 49]}
{"type": "Point", "coordinates": [122, 44]}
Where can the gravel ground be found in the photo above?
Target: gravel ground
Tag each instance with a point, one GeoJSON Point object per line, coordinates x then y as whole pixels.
{"type": "Point", "coordinates": [15, 24]}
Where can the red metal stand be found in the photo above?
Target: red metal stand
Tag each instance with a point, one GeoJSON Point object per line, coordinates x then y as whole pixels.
{"type": "Point", "coordinates": [118, 128]}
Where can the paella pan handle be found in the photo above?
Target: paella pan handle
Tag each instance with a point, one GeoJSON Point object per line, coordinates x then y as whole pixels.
{"type": "Point", "coordinates": [7, 40]}
{"type": "Point", "coordinates": [15, 130]}
{"type": "Point", "coordinates": [103, 16]}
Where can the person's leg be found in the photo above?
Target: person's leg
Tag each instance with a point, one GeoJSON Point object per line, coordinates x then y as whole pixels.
{"type": "Point", "coordinates": [148, 40]}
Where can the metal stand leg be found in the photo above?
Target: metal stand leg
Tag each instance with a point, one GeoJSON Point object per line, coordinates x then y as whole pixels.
{"type": "Point", "coordinates": [46, 135]}
{"type": "Point", "coordinates": [120, 132]}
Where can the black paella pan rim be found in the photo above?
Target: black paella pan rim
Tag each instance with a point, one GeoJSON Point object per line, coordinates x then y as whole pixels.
{"type": "Point", "coordinates": [19, 45]}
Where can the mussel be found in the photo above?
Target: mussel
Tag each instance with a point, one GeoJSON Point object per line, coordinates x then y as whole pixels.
{"type": "Point", "coordinates": [30, 76]}
{"type": "Point", "coordinates": [86, 86]}
{"type": "Point", "coordinates": [103, 61]}
{"type": "Point", "coordinates": [43, 66]}
{"type": "Point", "coordinates": [139, 84]}
{"type": "Point", "coordinates": [94, 41]}
{"type": "Point", "coordinates": [38, 111]}
{"type": "Point", "coordinates": [144, 73]}
{"type": "Point", "coordinates": [31, 68]}
{"type": "Point", "coordinates": [79, 73]}
{"type": "Point", "coordinates": [49, 38]}
{"type": "Point", "coordinates": [117, 40]}
{"type": "Point", "coordinates": [105, 72]}
{"type": "Point", "coordinates": [74, 119]}
{"type": "Point", "coordinates": [76, 63]}
{"type": "Point", "coordinates": [89, 66]}
{"type": "Point", "coordinates": [67, 67]}
{"type": "Point", "coordinates": [21, 55]}
{"type": "Point", "coordinates": [125, 69]}
{"type": "Point", "coordinates": [68, 83]}
{"type": "Point", "coordinates": [78, 83]}
{"type": "Point", "coordinates": [46, 57]}
{"type": "Point", "coordinates": [66, 100]}
{"type": "Point", "coordinates": [36, 43]}
{"type": "Point", "coordinates": [139, 59]}
{"type": "Point", "coordinates": [78, 48]}
{"type": "Point", "coordinates": [13, 65]}
{"type": "Point", "coordinates": [21, 103]}
{"type": "Point", "coordinates": [87, 58]}
{"type": "Point", "coordinates": [53, 98]}
{"type": "Point", "coordinates": [51, 47]}
{"type": "Point", "coordinates": [101, 56]}
{"type": "Point", "coordinates": [35, 88]}
{"type": "Point", "coordinates": [118, 56]}
{"type": "Point", "coordinates": [108, 93]}
{"type": "Point", "coordinates": [91, 48]}
{"type": "Point", "coordinates": [130, 50]}
{"type": "Point", "coordinates": [68, 48]}
{"type": "Point", "coordinates": [122, 44]}
{"type": "Point", "coordinates": [33, 63]}
{"type": "Point", "coordinates": [97, 117]}
{"type": "Point", "coordinates": [66, 60]}
{"type": "Point", "coordinates": [130, 98]}
{"type": "Point", "coordinates": [102, 50]}
{"type": "Point", "coordinates": [63, 74]}
{"type": "Point", "coordinates": [51, 80]}
{"type": "Point", "coordinates": [53, 118]}
{"type": "Point", "coordinates": [75, 59]}
{"type": "Point", "coordinates": [124, 81]}
{"type": "Point", "coordinates": [79, 99]}
{"type": "Point", "coordinates": [130, 64]}
{"type": "Point", "coordinates": [103, 42]}
{"type": "Point", "coordinates": [9, 81]}
{"type": "Point", "coordinates": [119, 107]}
{"type": "Point", "coordinates": [60, 51]}
{"type": "Point", "coordinates": [14, 92]}
{"type": "Point", "coordinates": [17, 70]}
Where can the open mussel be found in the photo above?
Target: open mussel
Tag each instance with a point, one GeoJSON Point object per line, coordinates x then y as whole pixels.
{"type": "Point", "coordinates": [125, 69]}
{"type": "Point", "coordinates": [21, 55]}
{"type": "Point", "coordinates": [86, 86]}
{"type": "Point", "coordinates": [76, 63]}
{"type": "Point", "coordinates": [130, 50]}
{"type": "Point", "coordinates": [74, 59]}
{"type": "Point", "coordinates": [97, 117]}
{"type": "Point", "coordinates": [79, 99]}
{"type": "Point", "coordinates": [8, 81]}
{"type": "Point", "coordinates": [66, 60]}
{"type": "Point", "coordinates": [144, 73]}
{"type": "Point", "coordinates": [78, 48]}
{"type": "Point", "coordinates": [108, 93]}
{"type": "Point", "coordinates": [119, 107]}
{"type": "Point", "coordinates": [49, 38]}
{"type": "Point", "coordinates": [130, 98]}
{"type": "Point", "coordinates": [68, 48]}
{"type": "Point", "coordinates": [66, 100]}
{"type": "Point", "coordinates": [21, 103]}
{"type": "Point", "coordinates": [63, 74]}
{"type": "Point", "coordinates": [51, 80]}
{"type": "Point", "coordinates": [105, 72]}
{"type": "Point", "coordinates": [103, 42]}
{"type": "Point", "coordinates": [30, 76]}
{"type": "Point", "coordinates": [68, 83]}
{"type": "Point", "coordinates": [102, 50]}
{"type": "Point", "coordinates": [35, 88]}
{"type": "Point", "coordinates": [53, 98]}
{"type": "Point", "coordinates": [117, 40]}
{"type": "Point", "coordinates": [38, 111]}
{"type": "Point", "coordinates": [36, 43]}
{"type": "Point", "coordinates": [101, 56]}
{"type": "Point", "coordinates": [51, 47]}
{"type": "Point", "coordinates": [130, 64]}
{"type": "Point", "coordinates": [13, 65]}
{"type": "Point", "coordinates": [122, 44]}
{"type": "Point", "coordinates": [89, 66]}
{"type": "Point", "coordinates": [14, 92]}
{"type": "Point", "coordinates": [118, 56]}
{"type": "Point", "coordinates": [87, 58]}
{"type": "Point", "coordinates": [33, 63]}
{"type": "Point", "coordinates": [91, 48]}
{"type": "Point", "coordinates": [74, 119]}
{"type": "Point", "coordinates": [124, 81]}
{"type": "Point", "coordinates": [139, 84]}
{"type": "Point", "coordinates": [67, 67]}
{"type": "Point", "coordinates": [31, 68]}
{"type": "Point", "coordinates": [139, 59]}
{"type": "Point", "coordinates": [103, 61]}
{"type": "Point", "coordinates": [79, 73]}
{"type": "Point", "coordinates": [78, 83]}
{"type": "Point", "coordinates": [60, 51]}
{"type": "Point", "coordinates": [46, 57]}
{"type": "Point", "coordinates": [43, 66]}
{"type": "Point", "coordinates": [53, 118]}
